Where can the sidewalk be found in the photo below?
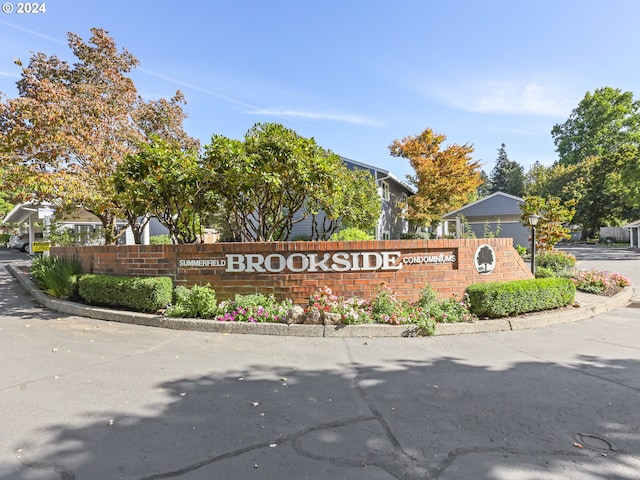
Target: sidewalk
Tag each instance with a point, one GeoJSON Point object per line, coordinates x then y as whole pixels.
{"type": "Point", "coordinates": [587, 306]}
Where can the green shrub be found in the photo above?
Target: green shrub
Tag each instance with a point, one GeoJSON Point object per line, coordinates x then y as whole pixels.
{"type": "Point", "coordinates": [351, 234]}
{"type": "Point", "coordinates": [556, 260]}
{"type": "Point", "coordinates": [138, 294]}
{"type": "Point", "coordinates": [427, 296]}
{"type": "Point", "coordinates": [59, 235]}
{"type": "Point", "coordinates": [194, 302]}
{"type": "Point", "coordinates": [544, 272]}
{"type": "Point", "coordinates": [502, 299]}
{"type": "Point", "coordinates": [415, 236]}
{"type": "Point", "coordinates": [301, 238]}
{"type": "Point", "coordinates": [4, 238]}
{"type": "Point", "coordinates": [56, 276]}
{"type": "Point", "coordinates": [160, 240]}
{"type": "Point", "coordinates": [522, 251]}
{"type": "Point", "coordinates": [450, 311]}
{"type": "Point", "coordinates": [385, 306]}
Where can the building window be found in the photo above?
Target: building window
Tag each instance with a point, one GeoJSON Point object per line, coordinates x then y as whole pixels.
{"type": "Point", "coordinates": [403, 202]}
{"type": "Point", "coordinates": [386, 235]}
{"type": "Point", "coordinates": [386, 195]}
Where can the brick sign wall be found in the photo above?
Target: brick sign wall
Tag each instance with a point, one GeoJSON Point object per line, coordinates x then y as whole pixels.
{"type": "Point", "coordinates": [297, 269]}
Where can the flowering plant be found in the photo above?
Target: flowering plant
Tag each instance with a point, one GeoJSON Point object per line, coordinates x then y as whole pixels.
{"type": "Point", "coordinates": [599, 281]}
{"type": "Point", "coordinates": [253, 308]}
{"type": "Point", "coordinates": [385, 307]}
{"type": "Point", "coordinates": [323, 300]}
{"type": "Point", "coordinates": [352, 310]}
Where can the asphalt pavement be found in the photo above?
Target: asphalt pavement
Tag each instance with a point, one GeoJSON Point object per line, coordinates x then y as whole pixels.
{"type": "Point", "coordinates": [87, 399]}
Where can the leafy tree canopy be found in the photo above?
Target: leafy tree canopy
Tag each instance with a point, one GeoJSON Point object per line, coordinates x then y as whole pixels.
{"type": "Point", "coordinates": [599, 152]}
{"type": "Point", "coordinates": [166, 181]}
{"type": "Point", "coordinates": [71, 125]}
{"type": "Point", "coordinates": [602, 123]}
{"type": "Point", "coordinates": [350, 200]}
{"type": "Point", "coordinates": [275, 178]}
{"type": "Point", "coordinates": [5, 205]}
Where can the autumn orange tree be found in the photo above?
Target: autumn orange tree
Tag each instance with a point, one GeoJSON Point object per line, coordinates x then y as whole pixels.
{"type": "Point", "coordinates": [444, 177]}
{"type": "Point", "coordinates": [72, 124]}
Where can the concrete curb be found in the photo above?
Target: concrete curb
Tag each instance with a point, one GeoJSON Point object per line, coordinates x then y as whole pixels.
{"type": "Point", "coordinates": [532, 320]}
{"type": "Point", "coordinates": [542, 319]}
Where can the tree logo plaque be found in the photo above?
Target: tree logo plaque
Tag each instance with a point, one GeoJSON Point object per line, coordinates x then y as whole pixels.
{"type": "Point", "coordinates": [485, 259]}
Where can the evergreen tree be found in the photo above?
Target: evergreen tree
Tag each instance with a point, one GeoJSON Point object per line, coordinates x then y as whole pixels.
{"type": "Point", "coordinates": [507, 176]}
{"type": "Point", "coordinates": [485, 187]}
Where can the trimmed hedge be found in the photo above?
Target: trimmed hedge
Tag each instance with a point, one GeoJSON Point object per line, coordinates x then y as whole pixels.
{"type": "Point", "coordinates": [138, 294]}
{"type": "Point", "coordinates": [503, 299]}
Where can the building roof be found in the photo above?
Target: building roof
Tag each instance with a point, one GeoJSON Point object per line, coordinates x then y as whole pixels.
{"type": "Point", "coordinates": [635, 224]}
{"type": "Point", "coordinates": [383, 173]}
{"type": "Point", "coordinates": [21, 212]}
{"type": "Point", "coordinates": [509, 203]}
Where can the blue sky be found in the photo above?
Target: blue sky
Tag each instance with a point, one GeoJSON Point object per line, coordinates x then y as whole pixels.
{"type": "Point", "coordinates": [357, 74]}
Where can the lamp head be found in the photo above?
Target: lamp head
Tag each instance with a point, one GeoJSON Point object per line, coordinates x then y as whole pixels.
{"type": "Point", "coordinates": [533, 219]}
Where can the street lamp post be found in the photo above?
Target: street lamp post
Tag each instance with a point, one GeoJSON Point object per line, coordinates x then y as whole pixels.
{"type": "Point", "coordinates": [533, 221]}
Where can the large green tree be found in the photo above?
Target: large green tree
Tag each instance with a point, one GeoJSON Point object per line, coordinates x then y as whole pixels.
{"type": "Point", "coordinates": [275, 178]}
{"type": "Point", "coordinates": [534, 177]}
{"type": "Point", "coordinates": [508, 175]}
{"type": "Point", "coordinates": [602, 123]}
{"type": "Point", "coordinates": [445, 178]}
{"type": "Point", "coordinates": [72, 124]}
{"type": "Point", "coordinates": [165, 180]}
{"type": "Point", "coordinates": [160, 122]}
{"type": "Point", "coordinates": [5, 205]}
{"type": "Point", "coordinates": [350, 200]}
{"type": "Point", "coordinates": [598, 147]}
{"type": "Point", "coordinates": [597, 186]}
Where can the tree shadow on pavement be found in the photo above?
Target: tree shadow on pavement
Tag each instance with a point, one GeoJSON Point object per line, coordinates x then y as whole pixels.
{"type": "Point", "coordinates": [16, 302]}
{"type": "Point", "coordinates": [440, 419]}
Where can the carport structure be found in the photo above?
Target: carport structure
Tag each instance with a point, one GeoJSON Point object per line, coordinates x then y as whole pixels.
{"type": "Point", "coordinates": [30, 213]}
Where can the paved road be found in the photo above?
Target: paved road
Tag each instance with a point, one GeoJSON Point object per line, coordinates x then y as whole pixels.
{"type": "Point", "coordinates": [91, 400]}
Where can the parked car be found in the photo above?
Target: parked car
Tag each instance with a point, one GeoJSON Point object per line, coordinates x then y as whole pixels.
{"type": "Point", "coordinates": [21, 242]}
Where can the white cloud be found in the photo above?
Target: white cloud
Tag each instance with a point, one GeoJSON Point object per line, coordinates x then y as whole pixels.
{"type": "Point", "coordinates": [544, 97]}
{"type": "Point", "coordinates": [337, 117]}
{"type": "Point", "coordinates": [10, 75]}
{"type": "Point", "coordinates": [197, 88]}
{"type": "Point", "coordinates": [281, 113]}
{"type": "Point", "coordinates": [33, 32]}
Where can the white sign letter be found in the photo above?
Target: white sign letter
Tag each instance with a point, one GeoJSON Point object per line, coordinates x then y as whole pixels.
{"type": "Point", "coordinates": [314, 263]}
{"type": "Point", "coordinates": [235, 262]}
{"type": "Point", "coordinates": [389, 261]}
{"type": "Point", "coordinates": [282, 263]}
